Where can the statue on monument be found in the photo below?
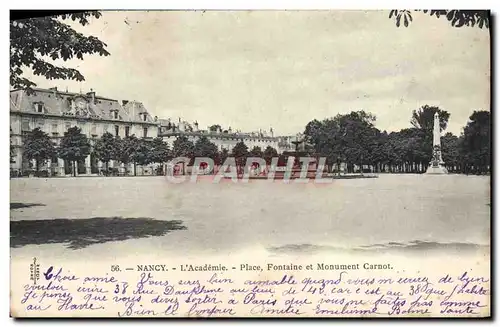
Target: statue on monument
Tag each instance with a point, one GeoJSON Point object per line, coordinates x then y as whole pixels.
{"type": "Point", "coordinates": [298, 142]}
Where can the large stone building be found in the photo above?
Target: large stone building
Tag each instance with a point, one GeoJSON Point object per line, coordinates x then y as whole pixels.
{"type": "Point", "coordinates": [223, 139]}
{"type": "Point", "coordinates": [54, 112]}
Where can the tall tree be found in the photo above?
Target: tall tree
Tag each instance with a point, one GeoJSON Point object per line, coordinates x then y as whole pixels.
{"type": "Point", "coordinates": [183, 147]}
{"type": "Point", "coordinates": [74, 147]}
{"type": "Point", "coordinates": [314, 133]}
{"type": "Point", "coordinates": [215, 128]}
{"type": "Point", "coordinates": [223, 154]}
{"type": "Point", "coordinates": [256, 152]}
{"type": "Point", "coordinates": [269, 154]}
{"type": "Point", "coordinates": [379, 155]}
{"type": "Point", "coordinates": [127, 151]}
{"type": "Point", "coordinates": [142, 154]}
{"type": "Point", "coordinates": [204, 148]}
{"type": "Point", "coordinates": [450, 149]}
{"type": "Point", "coordinates": [327, 140]}
{"type": "Point", "coordinates": [240, 154]}
{"type": "Point", "coordinates": [408, 147]}
{"type": "Point", "coordinates": [38, 146]}
{"type": "Point", "coordinates": [423, 120]}
{"type": "Point", "coordinates": [356, 136]}
{"type": "Point", "coordinates": [105, 148]}
{"type": "Point", "coordinates": [457, 18]}
{"type": "Point", "coordinates": [33, 41]}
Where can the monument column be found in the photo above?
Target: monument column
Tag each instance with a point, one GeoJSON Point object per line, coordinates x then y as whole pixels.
{"type": "Point", "coordinates": [60, 164]}
{"type": "Point", "coordinates": [100, 167]}
{"type": "Point", "coordinates": [88, 169]}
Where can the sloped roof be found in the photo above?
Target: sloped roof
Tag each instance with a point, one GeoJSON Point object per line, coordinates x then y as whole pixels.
{"type": "Point", "coordinates": [59, 103]}
{"type": "Point", "coordinates": [54, 105]}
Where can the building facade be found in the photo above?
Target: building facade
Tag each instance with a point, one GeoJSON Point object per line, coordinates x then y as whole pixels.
{"type": "Point", "coordinates": [54, 112]}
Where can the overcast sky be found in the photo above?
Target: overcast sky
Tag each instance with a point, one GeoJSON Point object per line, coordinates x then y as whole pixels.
{"type": "Point", "coordinates": [257, 69]}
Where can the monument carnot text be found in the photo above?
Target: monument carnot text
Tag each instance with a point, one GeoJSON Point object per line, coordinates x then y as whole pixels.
{"type": "Point", "coordinates": [436, 165]}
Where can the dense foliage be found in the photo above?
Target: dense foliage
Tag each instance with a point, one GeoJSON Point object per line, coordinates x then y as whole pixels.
{"type": "Point", "coordinates": [38, 146]}
{"type": "Point", "coordinates": [354, 140]}
{"type": "Point", "coordinates": [105, 149]}
{"type": "Point", "coordinates": [457, 18]}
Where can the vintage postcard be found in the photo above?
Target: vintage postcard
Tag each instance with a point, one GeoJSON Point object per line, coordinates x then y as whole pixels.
{"type": "Point", "coordinates": [250, 163]}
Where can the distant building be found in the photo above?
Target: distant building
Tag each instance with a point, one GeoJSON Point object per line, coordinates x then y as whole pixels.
{"type": "Point", "coordinates": [54, 112]}
{"type": "Point", "coordinates": [285, 144]}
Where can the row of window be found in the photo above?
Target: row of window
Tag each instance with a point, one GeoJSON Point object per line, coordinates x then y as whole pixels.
{"type": "Point", "coordinates": [25, 127]}
{"type": "Point", "coordinates": [144, 115]}
{"type": "Point", "coordinates": [39, 107]}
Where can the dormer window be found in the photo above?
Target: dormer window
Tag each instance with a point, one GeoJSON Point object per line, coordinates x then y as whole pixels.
{"type": "Point", "coordinates": [115, 114]}
{"type": "Point", "coordinates": [39, 107]}
{"type": "Point", "coordinates": [144, 116]}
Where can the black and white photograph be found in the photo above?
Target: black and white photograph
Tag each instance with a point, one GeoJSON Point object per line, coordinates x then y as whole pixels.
{"type": "Point", "coordinates": [250, 163]}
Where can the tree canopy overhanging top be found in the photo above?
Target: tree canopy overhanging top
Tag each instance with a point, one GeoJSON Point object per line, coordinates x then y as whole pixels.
{"type": "Point", "coordinates": [457, 18]}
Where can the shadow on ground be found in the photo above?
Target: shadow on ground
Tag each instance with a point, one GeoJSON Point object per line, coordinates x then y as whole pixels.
{"type": "Point", "coordinates": [80, 233]}
{"type": "Point", "coordinates": [416, 247]}
{"type": "Point", "coordinates": [19, 205]}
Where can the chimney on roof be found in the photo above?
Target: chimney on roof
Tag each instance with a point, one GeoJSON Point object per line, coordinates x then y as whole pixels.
{"type": "Point", "coordinates": [54, 90]}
